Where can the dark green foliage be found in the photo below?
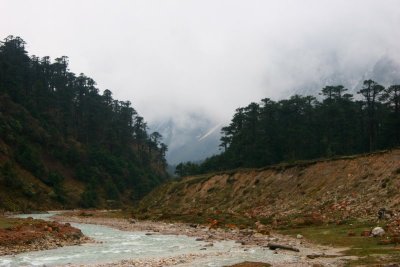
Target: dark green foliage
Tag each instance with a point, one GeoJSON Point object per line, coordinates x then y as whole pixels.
{"type": "Point", "coordinates": [27, 156]}
{"type": "Point", "coordinates": [111, 191]}
{"type": "Point", "coordinates": [49, 114]}
{"type": "Point", "coordinates": [72, 156]}
{"type": "Point", "coordinates": [11, 180]}
{"type": "Point", "coordinates": [106, 161]}
{"type": "Point", "coordinates": [187, 168]}
{"type": "Point", "coordinates": [89, 198]}
{"type": "Point", "coordinates": [56, 181]}
{"type": "Point", "coordinates": [304, 128]}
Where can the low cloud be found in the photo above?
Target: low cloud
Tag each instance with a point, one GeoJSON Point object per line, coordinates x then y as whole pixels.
{"type": "Point", "coordinates": [170, 58]}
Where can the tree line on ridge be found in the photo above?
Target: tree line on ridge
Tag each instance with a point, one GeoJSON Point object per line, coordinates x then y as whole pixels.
{"type": "Point", "coordinates": [303, 127]}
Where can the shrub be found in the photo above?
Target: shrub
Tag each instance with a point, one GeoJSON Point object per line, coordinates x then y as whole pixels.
{"type": "Point", "coordinates": [111, 190]}
{"type": "Point", "coordinates": [10, 177]}
{"type": "Point", "coordinates": [28, 157]}
{"type": "Point", "coordinates": [89, 198]}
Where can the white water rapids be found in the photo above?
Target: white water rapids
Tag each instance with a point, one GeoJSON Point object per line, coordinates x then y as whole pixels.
{"type": "Point", "coordinates": [114, 245]}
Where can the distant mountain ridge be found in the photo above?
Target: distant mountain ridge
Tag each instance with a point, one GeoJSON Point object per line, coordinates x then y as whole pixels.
{"type": "Point", "coordinates": [385, 71]}
{"type": "Point", "coordinates": [191, 138]}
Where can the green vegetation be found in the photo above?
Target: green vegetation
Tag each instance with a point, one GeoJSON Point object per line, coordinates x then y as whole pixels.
{"type": "Point", "coordinates": [119, 214]}
{"type": "Point", "coordinates": [303, 127]}
{"type": "Point", "coordinates": [7, 222]}
{"type": "Point", "coordinates": [58, 128]}
{"type": "Point", "coordinates": [223, 219]}
{"type": "Point", "coordinates": [251, 264]}
{"type": "Point", "coordinates": [367, 249]}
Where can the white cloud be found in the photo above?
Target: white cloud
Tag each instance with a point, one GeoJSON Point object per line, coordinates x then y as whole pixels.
{"type": "Point", "coordinates": [209, 57]}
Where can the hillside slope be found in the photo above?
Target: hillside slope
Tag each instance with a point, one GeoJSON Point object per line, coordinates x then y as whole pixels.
{"type": "Point", "coordinates": [63, 144]}
{"type": "Point", "coordinates": [40, 170]}
{"type": "Point", "coordinates": [302, 193]}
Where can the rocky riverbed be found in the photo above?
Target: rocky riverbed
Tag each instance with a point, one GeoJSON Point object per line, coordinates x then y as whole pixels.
{"type": "Point", "coordinates": [247, 239]}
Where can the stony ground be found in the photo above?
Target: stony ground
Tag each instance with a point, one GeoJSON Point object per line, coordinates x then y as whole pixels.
{"type": "Point", "coordinates": [298, 194]}
{"type": "Point", "coordinates": [23, 235]}
{"type": "Point", "coordinates": [309, 254]}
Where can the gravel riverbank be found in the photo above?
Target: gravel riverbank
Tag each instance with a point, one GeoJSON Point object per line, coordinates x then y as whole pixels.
{"type": "Point", "coordinates": [309, 254]}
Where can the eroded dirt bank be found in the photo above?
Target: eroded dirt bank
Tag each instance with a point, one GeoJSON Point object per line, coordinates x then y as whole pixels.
{"type": "Point", "coordinates": [331, 201]}
{"type": "Point", "coordinates": [306, 193]}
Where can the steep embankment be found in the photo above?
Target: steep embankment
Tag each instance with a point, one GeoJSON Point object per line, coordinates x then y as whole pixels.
{"type": "Point", "coordinates": [302, 193]}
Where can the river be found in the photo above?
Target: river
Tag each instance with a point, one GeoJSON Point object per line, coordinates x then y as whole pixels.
{"type": "Point", "coordinates": [114, 245]}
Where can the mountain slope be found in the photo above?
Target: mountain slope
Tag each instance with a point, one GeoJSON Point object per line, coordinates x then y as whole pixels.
{"type": "Point", "coordinates": [385, 71]}
{"type": "Point", "coordinates": [307, 192]}
{"type": "Point", "coordinates": [63, 144]}
{"type": "Point", "coordinates": [191, 137]}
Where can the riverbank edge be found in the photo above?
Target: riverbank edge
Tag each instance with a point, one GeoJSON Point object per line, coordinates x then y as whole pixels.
{"type": "Point", "coordinates": [20, 235]}
{"type": "Point", "coordinates": [309, 254]}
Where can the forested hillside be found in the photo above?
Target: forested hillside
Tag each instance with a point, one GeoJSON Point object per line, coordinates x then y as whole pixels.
{"type": "Point", "coordinates": [63, 143]}
{"type": "Point", "coordinates": [304, 127]}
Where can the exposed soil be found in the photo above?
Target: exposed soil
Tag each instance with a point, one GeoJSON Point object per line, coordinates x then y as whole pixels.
{"type": "Point", "coordinates": [360, 189]}
{"type": "Point", "coordinates": [23, 235]}
{"type": "Point", "coordinates": [299, 194]}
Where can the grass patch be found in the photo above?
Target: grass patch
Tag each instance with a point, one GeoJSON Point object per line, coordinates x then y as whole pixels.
{"type": "Point", "coordinates": [197, 180]}
{"type": "Point", "coordinates": [203, 218]}
{"type": "Point", "coordinates": [7, 222]}
{"type": "Point", "coordinates": [367, 248]}
{"type": "Point", "coordinates": [119, 214]}
{"type": "Point", "coordinates": [251, 264]}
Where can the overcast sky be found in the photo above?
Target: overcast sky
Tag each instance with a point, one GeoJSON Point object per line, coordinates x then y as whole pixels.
{"type": "Point", "coordinates": [170, 57]}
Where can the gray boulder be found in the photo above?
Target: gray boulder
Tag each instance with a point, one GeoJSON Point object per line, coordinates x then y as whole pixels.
{"type": "Point", "coordinates": [377, 231]}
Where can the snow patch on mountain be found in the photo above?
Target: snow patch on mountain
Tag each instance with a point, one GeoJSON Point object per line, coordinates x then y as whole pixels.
{"type": "Point", "coordinates": [190, 137]}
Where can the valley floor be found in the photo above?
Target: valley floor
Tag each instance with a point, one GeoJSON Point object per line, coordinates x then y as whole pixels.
{"type": "Point", "coordinates": [324, 245]}
{"type": "Point", "coordinates": [309, 254]}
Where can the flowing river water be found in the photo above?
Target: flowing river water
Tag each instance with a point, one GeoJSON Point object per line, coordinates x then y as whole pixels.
{"type": "Point", "coordinates": [114, 245]}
